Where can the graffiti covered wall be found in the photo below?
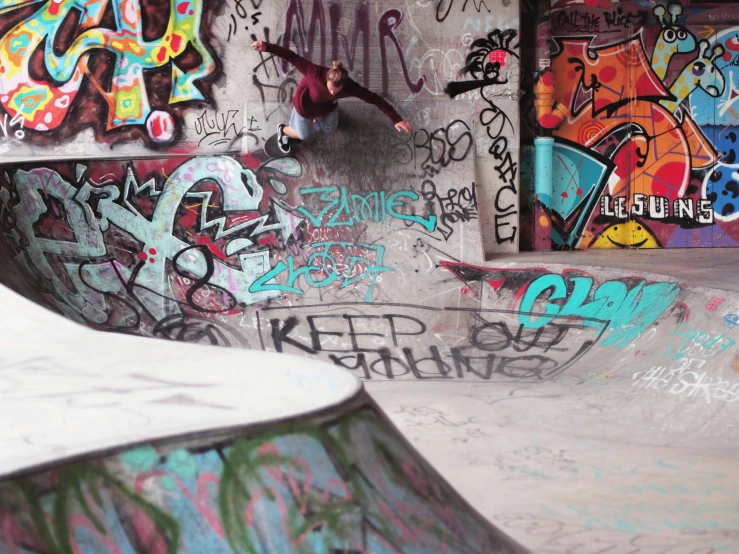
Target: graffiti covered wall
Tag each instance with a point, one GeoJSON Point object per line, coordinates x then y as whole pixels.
{"type": "Point", "coordinates": [85, 77]}
{"type": "Point", "coordinates": [270, 254]}
{"type": "Point", "coordinates": [646, 158]}
{"type": "Point", "coordinates": [376, 267]}
{"type": "Point", "coordinates": [102, 78]}
{"type": "Point", "coordinates": [346, 485]}
{"type": "Point", "coordinates": [408, 53]}
{"type": "Point", "coordinates": [193, 248]}
{"type": "Point", "coordinates": [200, 246]}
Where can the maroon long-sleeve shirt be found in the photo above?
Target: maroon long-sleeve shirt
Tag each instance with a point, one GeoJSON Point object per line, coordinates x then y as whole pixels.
{"type": "Point", "coordinates": [313, 99]}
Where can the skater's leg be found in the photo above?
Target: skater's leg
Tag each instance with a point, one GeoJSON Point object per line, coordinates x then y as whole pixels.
{"type": "Point", "coordinates": [300, 127]}
{"type": "Point", "coordinates": [290, 132]}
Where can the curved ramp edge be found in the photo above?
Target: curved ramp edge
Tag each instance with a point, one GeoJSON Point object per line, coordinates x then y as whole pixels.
{"type": "Point", "coordinates": [67, 391]}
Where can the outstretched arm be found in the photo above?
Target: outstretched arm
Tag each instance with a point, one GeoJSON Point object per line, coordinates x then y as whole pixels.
{"type": "Point", "coordinates": [376, 100]}
{"type": "Point", "coordinates": [300, 63]}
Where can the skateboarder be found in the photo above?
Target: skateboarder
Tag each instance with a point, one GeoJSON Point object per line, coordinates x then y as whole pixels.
{"type": "Point", "coordinates": [317, 96]}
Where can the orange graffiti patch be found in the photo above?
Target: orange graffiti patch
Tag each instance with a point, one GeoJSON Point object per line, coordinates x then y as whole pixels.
{"type": "Point", "coordinates": [590, 132]}
{"type": "Point", "coordinates": [655, 157]}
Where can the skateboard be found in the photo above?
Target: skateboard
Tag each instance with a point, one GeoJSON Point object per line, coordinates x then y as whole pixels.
{"type": "Point", "coordinates": [273, 149]}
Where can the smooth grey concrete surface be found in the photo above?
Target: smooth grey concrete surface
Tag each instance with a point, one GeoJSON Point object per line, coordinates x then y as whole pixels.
{"type": "Point", "coordinates": [632, 449]}
{"type": "Point", "coordinates": [709, 267]}
{"type": "Point", "coordinates": [67, 391]}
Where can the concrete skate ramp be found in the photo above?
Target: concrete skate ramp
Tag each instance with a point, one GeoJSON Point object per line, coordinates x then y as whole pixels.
{"type": "Point", "coordinates": [631, 448]}
{"type": "Point", "coordinates": [575, 407]}
{"type": "Point", "coordinates": [578, 409]}
{"type": "Point", "coordinates": [119, 444]}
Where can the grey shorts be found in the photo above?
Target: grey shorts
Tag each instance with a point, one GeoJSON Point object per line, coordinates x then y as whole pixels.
{"type": "Point", "coordinates": [305, 128]}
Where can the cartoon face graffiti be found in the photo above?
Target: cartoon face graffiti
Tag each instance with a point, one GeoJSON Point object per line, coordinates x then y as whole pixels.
{"type": "Point", "coordinates": [674, 37]}
{"type": "Point", "coordinates": [707, 75]}
{"type": "Point", "coordinates": [659, 132]}
{"type": "Point", "coordinates": [626, 234]}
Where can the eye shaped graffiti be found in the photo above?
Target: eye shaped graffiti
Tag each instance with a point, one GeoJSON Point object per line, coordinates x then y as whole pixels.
{"type": "Point", "coordinates": [98, 45]}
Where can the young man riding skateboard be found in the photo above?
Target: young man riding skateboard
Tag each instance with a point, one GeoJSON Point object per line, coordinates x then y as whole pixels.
{"type": "Point", "coordinates": [316, 98]}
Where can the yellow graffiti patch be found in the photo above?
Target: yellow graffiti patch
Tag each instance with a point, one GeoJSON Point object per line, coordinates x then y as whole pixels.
{"type": "Point", "coordinates": [128, 104]}
{"type": "Point", "coordinates": [126, 45]}
{"type": "Point", "coordinates": [29, 101]}
{"type": "Point", "coordinates": [627, 234]}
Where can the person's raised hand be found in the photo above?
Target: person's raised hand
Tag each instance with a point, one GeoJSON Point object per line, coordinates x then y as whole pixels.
{"type": "Point", "coordinates": [259, 46]}
{"type": "Point", "coordinates": [404, 126]}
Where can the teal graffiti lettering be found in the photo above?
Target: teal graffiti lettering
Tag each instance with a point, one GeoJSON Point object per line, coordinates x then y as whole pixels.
{"type": "Point", "coordinates": [429, 224]}
{"type": "Point", "coordinates": [363, 206]}
{"type": "Point", "coordinates": [323, 263]}
{"type": "Point", "coordinates": [325, 193]}
{"type": "Point", "coordinates": [537, 288]}
{"type": "Point", "coordinates": [629, 312]}
{"type": "Point", "coordinates": [345, 209]}
{"type": "Point", "coordinates": [692, 337]}
{"type": "Point", "coordinates": [262, 284]}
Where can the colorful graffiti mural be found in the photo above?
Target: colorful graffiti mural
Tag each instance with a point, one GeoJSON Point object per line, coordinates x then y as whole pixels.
{"type": "Point", "coordinates": [232, 251]}
{"type": "Point", "coordinates": [349, 485]}
{"type": "Point", "coordinates": [619, 309]}
{"type": "Point", "coordinates": [165, 243]}
{"type": "Point", "coordinates": [644, 157]}
{"type": "Point", "coordinates": [65, 63]}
